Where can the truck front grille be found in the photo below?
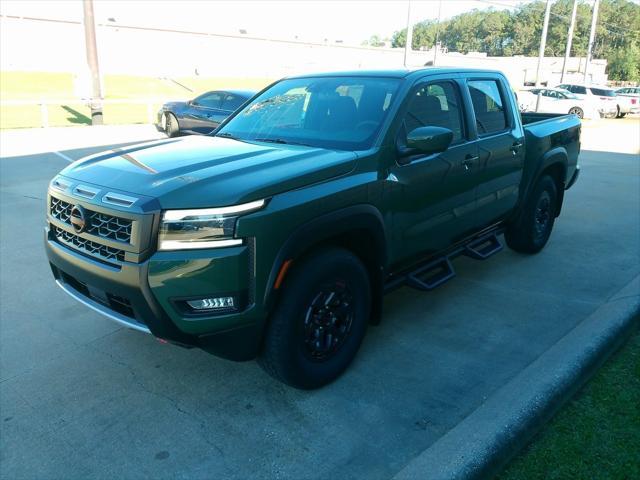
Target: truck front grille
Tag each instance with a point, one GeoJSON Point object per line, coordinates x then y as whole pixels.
{"type": "Point", "coordinates": [87, 247]}
{"type": "Point", "coordinates": [99, 224]}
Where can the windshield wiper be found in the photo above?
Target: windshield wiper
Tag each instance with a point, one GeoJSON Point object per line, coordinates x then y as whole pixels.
{"type": "Point", "coordinates": [227, 135]}
{"type": "Point", "coordinates": [281, 141]}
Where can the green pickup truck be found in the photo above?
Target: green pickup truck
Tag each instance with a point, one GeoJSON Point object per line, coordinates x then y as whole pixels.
{"type": "Point", "coordinates": [277, 235]}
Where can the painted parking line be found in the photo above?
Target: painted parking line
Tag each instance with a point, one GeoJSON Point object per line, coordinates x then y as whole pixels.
{"type": "Point", "coordinates": [62, 155]}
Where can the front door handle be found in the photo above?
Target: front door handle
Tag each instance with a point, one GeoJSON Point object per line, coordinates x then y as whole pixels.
{"type": "Point", "coordinates": [516, 147]}
{"type": "Point", "coordinates": [469, 160]}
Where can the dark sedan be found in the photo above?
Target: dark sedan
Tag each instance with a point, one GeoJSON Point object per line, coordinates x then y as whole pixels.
{"type": "Point", "coordinates": [202, 114]}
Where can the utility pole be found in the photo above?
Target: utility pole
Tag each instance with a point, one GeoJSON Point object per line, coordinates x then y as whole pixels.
{"type": "Point", "coordinates": [92, 60]}
{"type": "Point", "coordinates": [592, 36]}
{"type": "Point", "coordinates": [435, 47]}
{"type": "Point", "coordinates": [407, 46]}
{"type": "Point", "coordinates": [543, 41]}
{"type": "Point", "coordinates": [567, 52]}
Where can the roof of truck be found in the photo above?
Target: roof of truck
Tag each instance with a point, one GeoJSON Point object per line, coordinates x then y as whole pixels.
{"type": "Point", "coordinates": [397, 73]}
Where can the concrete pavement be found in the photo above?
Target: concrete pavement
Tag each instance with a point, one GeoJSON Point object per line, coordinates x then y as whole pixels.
{"type": "Point", "coordinates": [81, 397]}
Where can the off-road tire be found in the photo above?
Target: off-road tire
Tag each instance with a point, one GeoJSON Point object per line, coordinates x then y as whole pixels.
{"type": "Point", "coordinates": [531, 231]}
{"type": "Point", "coordinates": [287, 354]}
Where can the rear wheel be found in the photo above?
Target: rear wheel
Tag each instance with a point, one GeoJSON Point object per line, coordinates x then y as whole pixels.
{"type": "Point", "coordinates": [318, 326]}
{"type": "Point", "coordinates": [172, 128]}
{"type": "Point", "coordinates": [530, 233]}
{"type": "Point", "coordinates": [576, 111]}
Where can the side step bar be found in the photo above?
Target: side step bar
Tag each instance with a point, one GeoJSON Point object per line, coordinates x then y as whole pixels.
{"type": "Point", "coordinates": [436, 271]}
{"type": "Point", "coordinates": [432, 275]}
{"type": "Point", "coordinates": [483, 247]}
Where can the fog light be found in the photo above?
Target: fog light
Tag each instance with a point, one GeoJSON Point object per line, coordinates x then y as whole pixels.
{"type": "Point", "coordinates": [211, 303]}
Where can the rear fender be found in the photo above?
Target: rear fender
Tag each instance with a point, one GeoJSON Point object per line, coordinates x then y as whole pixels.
{"type": "Point", "coordinates": [555, 160]}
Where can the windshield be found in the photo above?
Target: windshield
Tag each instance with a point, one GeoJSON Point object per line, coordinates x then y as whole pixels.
{"type": "Point", "coordinates": [337, 113]}
{"type": "Point", "coordinates": [603, 92]}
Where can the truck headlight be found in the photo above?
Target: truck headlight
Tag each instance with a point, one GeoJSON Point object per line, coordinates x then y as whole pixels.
{"type": "Point", "coordinates": [202, 227]}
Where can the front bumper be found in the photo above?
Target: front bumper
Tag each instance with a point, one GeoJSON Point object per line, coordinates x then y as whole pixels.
{"type": "Point", "coordinates": [145, 296]}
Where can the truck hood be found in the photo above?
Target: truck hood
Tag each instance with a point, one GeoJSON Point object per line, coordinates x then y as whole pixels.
{"type": "Point", "coordinates": [200, 171]}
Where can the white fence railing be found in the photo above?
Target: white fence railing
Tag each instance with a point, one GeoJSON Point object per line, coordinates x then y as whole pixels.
{"type": "Point", "coordinates": [44, 105]}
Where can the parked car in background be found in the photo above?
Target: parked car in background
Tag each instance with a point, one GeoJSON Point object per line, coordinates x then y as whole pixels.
{"type": "Point", "coordinates": [202, 114]}
{"type": "Point", "coordinates": [629, 100]}
{"type": "Point", "coordinates": [555, 100]}
{"type": "Point", "coordinates": [603, 96]}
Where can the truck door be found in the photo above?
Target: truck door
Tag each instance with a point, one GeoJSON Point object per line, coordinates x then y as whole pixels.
{"type": "Point", "coordinates": [500, 148]}
{"type": "Point", "coordinates": [434, 194]}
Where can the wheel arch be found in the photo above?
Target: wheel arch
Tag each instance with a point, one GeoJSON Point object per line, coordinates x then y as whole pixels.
{"type": "Point", "coordinates": [554, 163]}
{"type": "Point", "coordinates": [359, 229]}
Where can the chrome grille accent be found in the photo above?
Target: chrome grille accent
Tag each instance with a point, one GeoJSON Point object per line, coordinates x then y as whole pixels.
{"type": "Point", "coordinates": [88, 247]}
{"type": "Point", "coordinates": [100, 224]}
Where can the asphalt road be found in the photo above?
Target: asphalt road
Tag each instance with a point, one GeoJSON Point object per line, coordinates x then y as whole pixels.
{"type": "Point", "coordinates": [81, 397]}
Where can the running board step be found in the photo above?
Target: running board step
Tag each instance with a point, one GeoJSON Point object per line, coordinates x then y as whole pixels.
{"type": "Point", "coordinates": [431, 275]}
{"type": "Point", "coordinates": [483, 247]}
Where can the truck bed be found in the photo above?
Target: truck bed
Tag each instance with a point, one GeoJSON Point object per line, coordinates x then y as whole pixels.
{"type": "Point", "coordinates": [534, 117]}
{"type": "Point", "coordinates": [546, 132]}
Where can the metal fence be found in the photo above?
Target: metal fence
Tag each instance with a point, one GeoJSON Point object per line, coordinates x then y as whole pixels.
{"type": "Point", "coordinates": [44, 105]}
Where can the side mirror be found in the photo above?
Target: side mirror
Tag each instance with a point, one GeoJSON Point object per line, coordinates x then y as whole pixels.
{"type": "Point", "coordinates": [429, 140]}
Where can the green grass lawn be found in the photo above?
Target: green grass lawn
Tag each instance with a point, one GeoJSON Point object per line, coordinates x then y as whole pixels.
{"type": "Point", "coordinates": [597, 435]}
{"type": "Point", "coordinates": [34, 86]}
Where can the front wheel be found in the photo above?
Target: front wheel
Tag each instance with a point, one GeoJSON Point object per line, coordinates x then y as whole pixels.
{"type": "Point", "coordinates": [577, 111]}
{"type": "Point", "coordinates": [531, 231]}
{"type": "Point", "coordinates": [320, 321]}
{"type": "Point", "coordinates": [172, 128]}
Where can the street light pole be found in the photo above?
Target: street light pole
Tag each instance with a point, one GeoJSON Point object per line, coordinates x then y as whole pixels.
{"type": "Point", "coordinates": [435, 47]}
{"type": "Point", "coordinates": [567, 52]}
{"type": "Point", "coordinates": [592, 36]}
{"type": "Point", "coordinates": [409, 41]}
{"type": "Point", "coordinates": [92, 60]}
{"type": "Point", "coordinates": [543, 41]}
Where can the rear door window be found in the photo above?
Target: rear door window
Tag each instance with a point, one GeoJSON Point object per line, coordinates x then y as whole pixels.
{"type": "Point", "coordinates": [488, 106]}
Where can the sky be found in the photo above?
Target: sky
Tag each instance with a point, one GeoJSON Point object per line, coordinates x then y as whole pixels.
{"type": "Point", "coordinates": [351, 21]}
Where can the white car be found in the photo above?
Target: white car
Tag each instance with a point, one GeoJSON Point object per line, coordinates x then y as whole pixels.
{"type": "Point", "coordinates": [555, 100]}
{"type": "Point", "coordinates": [628, 100]}
{"type": "Point", "coordinates": [603, 96]}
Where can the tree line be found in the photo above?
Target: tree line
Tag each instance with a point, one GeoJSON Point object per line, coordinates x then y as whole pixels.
{"type": "Point", "coordinates": [517, 32]}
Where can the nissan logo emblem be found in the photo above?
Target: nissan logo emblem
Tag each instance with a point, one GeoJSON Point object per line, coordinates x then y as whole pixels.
{"type": "Point", "coordinates": [79, 219]}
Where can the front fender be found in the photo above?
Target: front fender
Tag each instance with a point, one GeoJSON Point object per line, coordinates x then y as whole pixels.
{"type": "Point", "coordinates": [334, 224]}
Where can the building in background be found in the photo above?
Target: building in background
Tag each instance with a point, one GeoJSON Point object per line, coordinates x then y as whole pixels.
{"type": "Point", "coordinates": [133, 50]}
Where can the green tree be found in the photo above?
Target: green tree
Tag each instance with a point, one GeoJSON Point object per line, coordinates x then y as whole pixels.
{"type": "Point", "coordinates": [517, 32]}
{"type": "Point", "coordinates": [624, 64]}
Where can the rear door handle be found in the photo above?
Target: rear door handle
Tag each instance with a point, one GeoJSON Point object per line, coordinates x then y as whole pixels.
{"type": "Point", "coordinates": [469, 160]}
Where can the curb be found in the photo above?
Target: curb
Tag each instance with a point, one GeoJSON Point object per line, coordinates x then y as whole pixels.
{"type": "Point", "coordinates": [480, 445]}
